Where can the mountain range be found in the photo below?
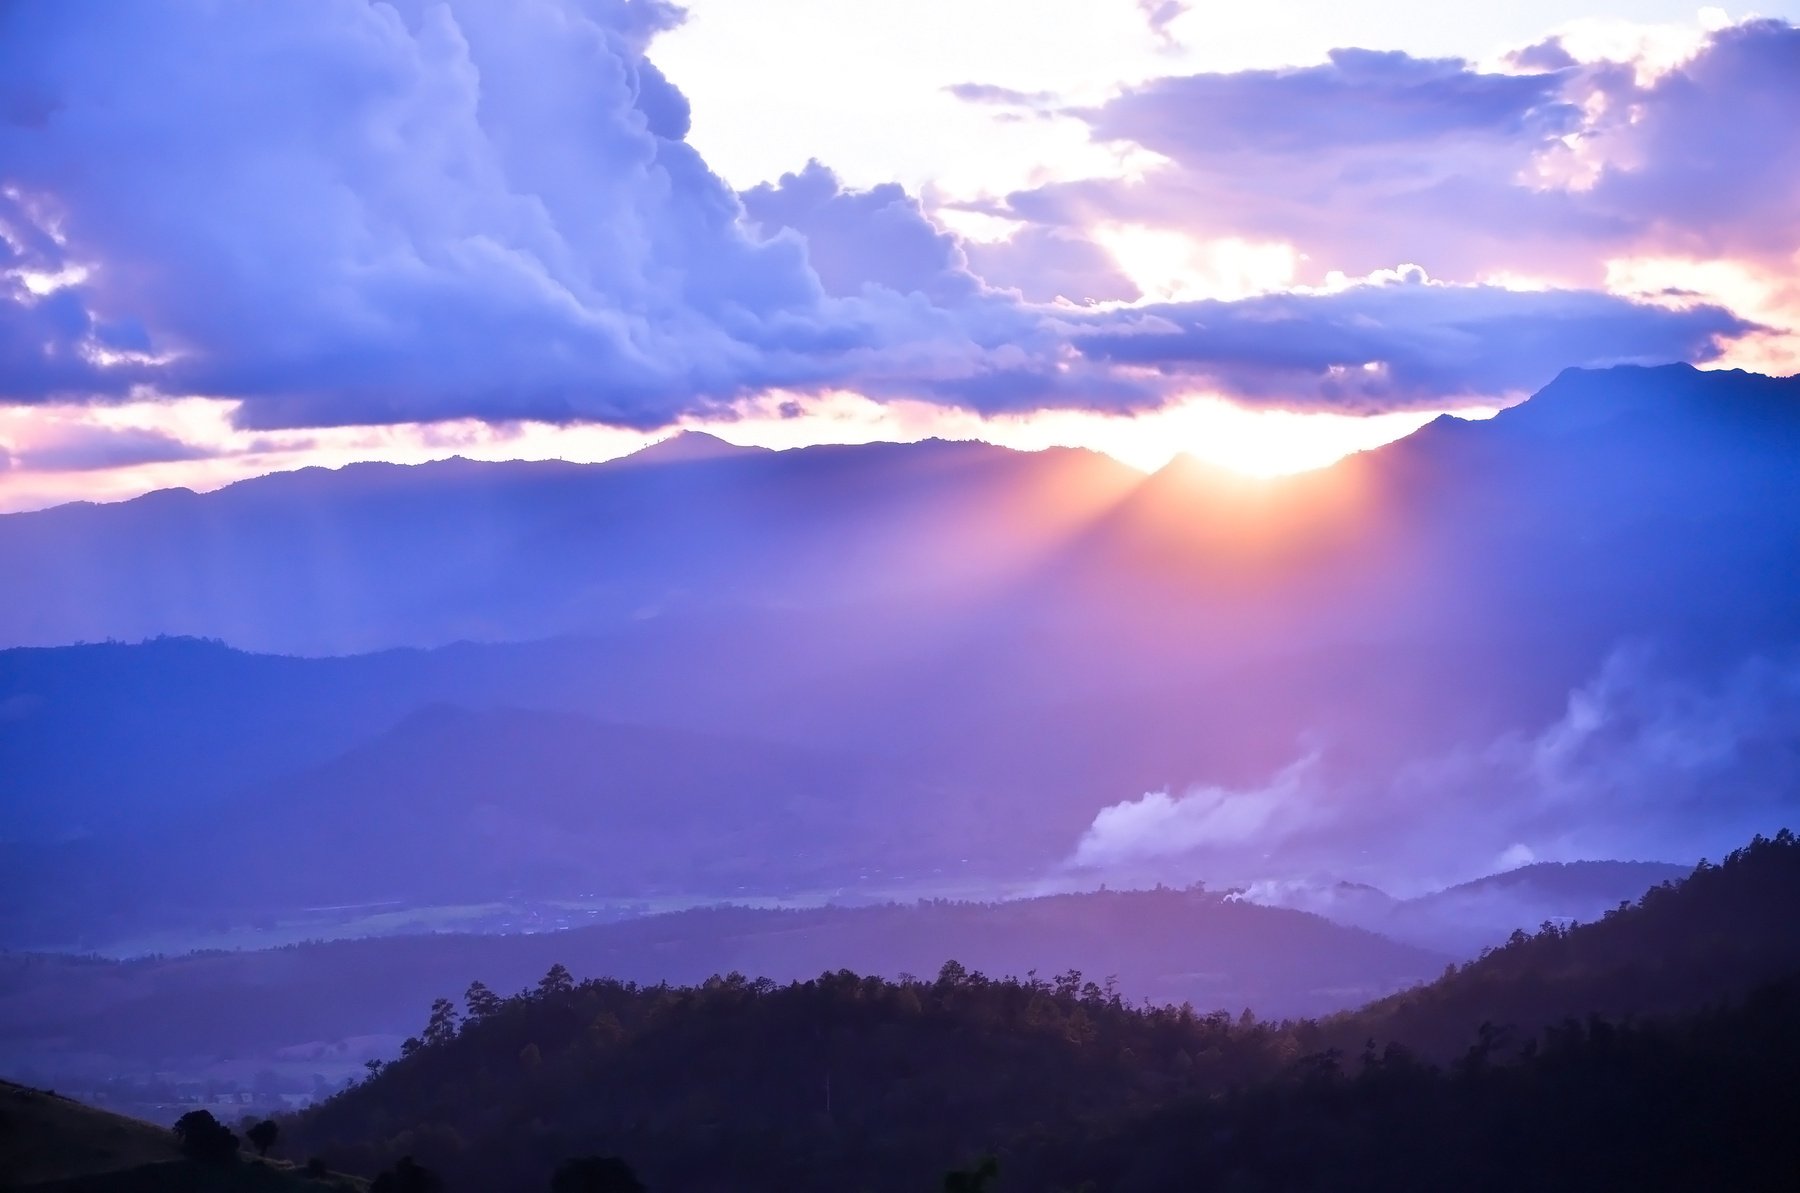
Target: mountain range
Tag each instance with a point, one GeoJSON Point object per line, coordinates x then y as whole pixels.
{"type": "Point", "coordinates": [444, 682]}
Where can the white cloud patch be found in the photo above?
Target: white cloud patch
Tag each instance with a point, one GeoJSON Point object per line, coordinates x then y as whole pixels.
{"type": "Point", "coordinates": [1158, 825]}
{"type": "Point", "coordinates": [1645, 763]}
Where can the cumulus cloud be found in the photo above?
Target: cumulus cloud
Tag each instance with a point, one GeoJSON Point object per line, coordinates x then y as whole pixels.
{"type": "Point", "coordinates": [348, 212]}
{"type": "Point", "coordinates": [1706, 159]}
{"type": "Point", "coordinates": [338, 212]}
{"type": "Point", "coordinates": [1361, 162]}
{"type": "Point", "coordinates": [1045, 264]}
{"type": "Point", "coordinates": [1546, 170]}
{"type": "Point", "coordinates": [1159, 825]}
{"type": "Point", "coordinates": [855, 239]}
{"type": "Point", "coordinates": [1644, 763]}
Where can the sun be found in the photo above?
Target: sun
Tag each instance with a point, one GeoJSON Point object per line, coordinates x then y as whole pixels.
{"type": "Point", "coordinates": [1268, 442]}
{"type": "Point", "coordinates": [1253, 441]}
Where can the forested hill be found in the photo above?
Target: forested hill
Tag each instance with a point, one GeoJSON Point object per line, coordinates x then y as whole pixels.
{"type": "Point", "coordinates": [1704, 940]}
{"type": "Point", "coordinates": [848, 1082]}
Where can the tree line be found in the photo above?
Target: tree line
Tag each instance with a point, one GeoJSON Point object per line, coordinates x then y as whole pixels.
{"type": "Point", "coordinates": [1655, 1046]}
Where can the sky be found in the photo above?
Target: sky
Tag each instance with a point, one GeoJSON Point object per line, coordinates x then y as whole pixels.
{"type": "Point", "coordinates": [243, 238]}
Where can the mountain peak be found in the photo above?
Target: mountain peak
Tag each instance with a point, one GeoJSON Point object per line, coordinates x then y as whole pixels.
{"type": "Point", "coordinates": [687, 446]}
{"type": "Point", "coordinates": [1579, 399]}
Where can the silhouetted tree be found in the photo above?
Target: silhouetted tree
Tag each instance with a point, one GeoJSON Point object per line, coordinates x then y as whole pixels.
{"type": "Point", "coordinates": [406, 1176]}
{"type": "Point", "coordinates": [263, 1135]}
{"type": "Point", "coordinates": [481, 1001]}
{"type": "Point", "coordinates": [441, 1027]}
{"type": "Point", "coordinates": [720, 1085]}
{"type": "Point", "coordinates": [595, 1174]}
{"type": "Point", "coordinates": [558, 980]}
{"type": "Point", "coordinates": [972, 1180]}
{"type": "Point", "coordinates": [204, 1137]}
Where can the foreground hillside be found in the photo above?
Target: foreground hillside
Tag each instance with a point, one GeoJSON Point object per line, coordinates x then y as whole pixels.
{"type": "Point", "coordinates": [1700, 942]}
{"type": "Point", "coordinates": [847, 1082]}
{"type": "Point", "coordinates": [49, 1144]}
{"type": "Point", "coordinates": [1700, 1101]}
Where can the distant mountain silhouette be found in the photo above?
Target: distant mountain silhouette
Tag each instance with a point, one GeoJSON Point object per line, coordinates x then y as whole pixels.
{"type": "Point", "coordinates": [1634, 468]}
{"type": "Point", "coordinates": [378, 555]}
{"type": "Point", "coordinates": [995, 645]}
{"type": "Point", "coordinates": [685, 447]}
{"type": "Point", "coordinates": [1466, 917]}
{"type": "Point", "coordinates": [455, 805]}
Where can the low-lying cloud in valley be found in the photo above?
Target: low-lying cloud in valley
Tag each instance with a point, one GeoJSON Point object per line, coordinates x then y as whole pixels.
{"type": "Point", "coordinates": [1646, 763]}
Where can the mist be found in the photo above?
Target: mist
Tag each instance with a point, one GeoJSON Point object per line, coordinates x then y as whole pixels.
{"type": "Point", "coordinates": [1646, 762]}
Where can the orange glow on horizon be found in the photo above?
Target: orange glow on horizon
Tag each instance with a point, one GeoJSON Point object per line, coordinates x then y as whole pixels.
{"type": "Point", "coordinates": [1252, 441]}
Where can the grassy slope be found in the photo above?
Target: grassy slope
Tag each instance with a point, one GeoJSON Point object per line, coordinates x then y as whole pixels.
{"type": "Point", "coordinates": [44, 1137]}
{"type": "Point", "coordinates": [49, 1144]}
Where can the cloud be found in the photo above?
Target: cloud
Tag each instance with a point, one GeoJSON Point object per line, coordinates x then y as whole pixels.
{"type": "Point", "coordinates": [855, 239]}
{"type": "Point", "coordinates": [1005, 97]}
{"type": "Point", "coordinates": [1398, 341]}
{"type": "Point", "coordinates": [1706, 159]}
{"type": "Point", "coordinates": [1548, 170]}
{"type": "Point", "coordinates": [339, 213]}
{"type": "Point", "coordinates": [77, 447]}
{"type": "Point", "coordinates": [1044, 264]}
{"type": "Point", "coordinates": [1644, 763]}
{"type": "Point", "coordinates": [1160, 14]}
{"type": "Point", "coordinates": [1157, 825]}
{"type": "Point", "coordinates": [1359, 99]}
{"type": "Point", "coordinates": [1659, 761]}
{"type": "Point", "coordinates": [1366, 160]}
{"type": "Point", "coordinates": [352, 213]}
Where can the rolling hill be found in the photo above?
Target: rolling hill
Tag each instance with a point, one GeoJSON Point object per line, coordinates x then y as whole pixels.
{"type": "Point", "coordinates": [318, 1008]}
{"type": "Point", "coordinates": [49, 1144]}
{"type": "Point", "coordinates": [1685, 945]}
{"type": "Point", "coordinates": [1656, 1047]}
